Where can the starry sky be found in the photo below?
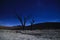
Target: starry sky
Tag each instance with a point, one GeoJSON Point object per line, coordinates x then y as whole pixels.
{"type": "Point", "coordinates": [41, 10]}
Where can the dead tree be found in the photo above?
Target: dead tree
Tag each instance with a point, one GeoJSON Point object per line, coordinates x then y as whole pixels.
{"type": "Point", "coordinates": [23, 20]}
{"type": "Point", "coordinates": [32, 22]}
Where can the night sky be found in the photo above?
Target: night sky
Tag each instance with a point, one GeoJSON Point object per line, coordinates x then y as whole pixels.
{"type": "Point", "coordinates": [41, 10]}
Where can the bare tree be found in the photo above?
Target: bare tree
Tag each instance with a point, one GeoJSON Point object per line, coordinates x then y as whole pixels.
{"type": "Point", "coordinates": [23, 20]}
{"type": "Point", "coordinates": [20, 19]}
{"type": "Point", "coordinates": [32, 22]}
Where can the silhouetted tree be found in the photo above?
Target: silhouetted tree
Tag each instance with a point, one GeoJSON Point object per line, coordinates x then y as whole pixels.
{"type": "Point", "coordinates": [32, 22]}
{"type": "Point", "coordinates": [23, 20]}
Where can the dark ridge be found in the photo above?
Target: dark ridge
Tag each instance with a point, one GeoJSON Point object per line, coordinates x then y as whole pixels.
{"type": "Point", "coordinates": [46, 25]}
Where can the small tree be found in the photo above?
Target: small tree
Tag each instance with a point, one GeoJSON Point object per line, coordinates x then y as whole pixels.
{"type": "Point", "coordinates": [32, 22]}
{"type": "Point", "coordinates": [23, 20]}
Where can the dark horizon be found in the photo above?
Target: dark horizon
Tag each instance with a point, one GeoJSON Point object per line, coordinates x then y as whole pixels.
{"type": "Point", "coordinates": [41, 10]}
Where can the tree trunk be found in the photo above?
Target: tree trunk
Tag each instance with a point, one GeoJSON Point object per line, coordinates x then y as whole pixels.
{"type": "Point", "coordinates": [31, 26]}
{"type": "Point", "coordinates": [23, 27]}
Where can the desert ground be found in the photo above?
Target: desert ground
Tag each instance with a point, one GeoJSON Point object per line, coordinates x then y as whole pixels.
{"type": "Point", "coordinates": [30, 35]}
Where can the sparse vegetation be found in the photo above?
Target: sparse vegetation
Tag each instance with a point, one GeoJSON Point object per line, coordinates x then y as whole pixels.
{"type": "Point", "coordinates": [23, 21]}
